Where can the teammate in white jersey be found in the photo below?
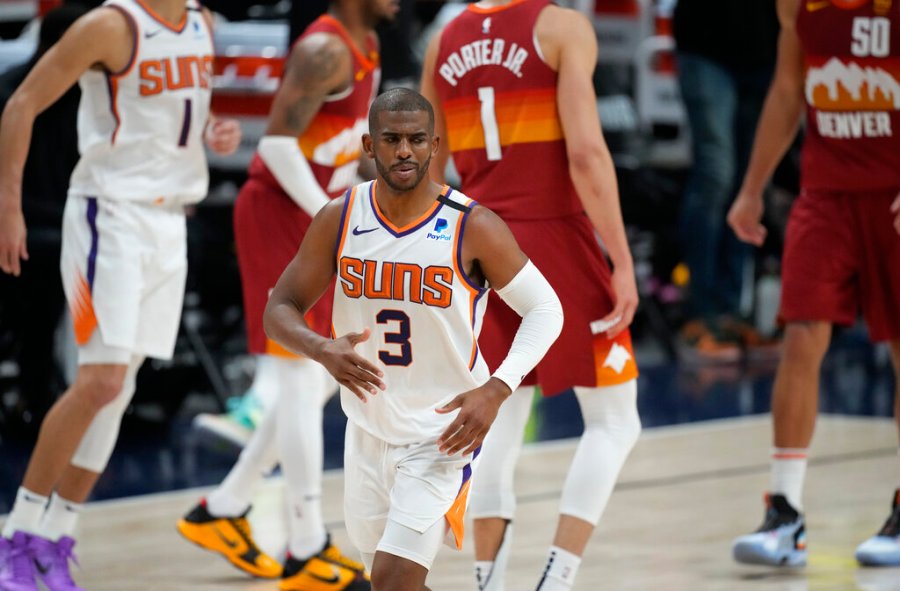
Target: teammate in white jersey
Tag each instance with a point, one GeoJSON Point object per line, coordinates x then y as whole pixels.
{"type": "Point", "coordinates": [413, 260]}
{"type": "Point", "coordinates": [145, 69]}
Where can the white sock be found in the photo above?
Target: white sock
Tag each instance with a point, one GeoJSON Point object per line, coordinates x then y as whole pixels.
{"type": "Point", "coordinates": [61, 518]}
{"type": "Point", "coordinates": [265, 382]}
{"type": "Point", "coordinates": [787, 474]}
{"type": "Point", "coordinates": [490, 575]}
{"type": "Point", "coordinates": [233, 497]}
{"type": "Point", "coordinates": [298, 439]}
{"type": "Point", "coordinates": [560, 571]}
{"type": "Point", "coordinates": [26, 513]}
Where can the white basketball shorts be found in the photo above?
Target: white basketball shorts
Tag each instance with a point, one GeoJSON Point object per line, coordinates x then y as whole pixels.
{"type": "Point", "coordinates": [413, 485]}
{"type": "Point", "coordinates": [123, 267]}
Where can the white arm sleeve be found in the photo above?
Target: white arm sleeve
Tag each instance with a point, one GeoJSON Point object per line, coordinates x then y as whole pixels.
{"type": "Point", "coordinates": [534, 300]}
{"type": "Point", "coordinates": [284, 159]}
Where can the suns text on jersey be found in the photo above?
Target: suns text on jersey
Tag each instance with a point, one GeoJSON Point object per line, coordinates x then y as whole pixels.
{"type": "Point", "coordinates": [485, 52]}
{"type": "Point", "coordinates": [174, 73]}
{"type": "Point", "coordinates": [406, 282]}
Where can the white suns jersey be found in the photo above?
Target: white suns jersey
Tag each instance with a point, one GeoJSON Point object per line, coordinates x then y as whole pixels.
{"type": "Point", "coordinates": [140, 131]}
{"type": "Point", "coordinates": [408, 285]}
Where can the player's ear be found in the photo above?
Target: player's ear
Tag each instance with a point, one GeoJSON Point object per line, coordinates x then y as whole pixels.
{"type": "Point", "coordinates": [435, 144]}
{"type": "Point", "coordinates": [368, 146]}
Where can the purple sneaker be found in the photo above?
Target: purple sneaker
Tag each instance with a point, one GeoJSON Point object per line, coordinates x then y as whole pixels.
{"type": "Point", "coordinates": [51, 559]}
{"type": "Point", "coordinates": [16, 568]}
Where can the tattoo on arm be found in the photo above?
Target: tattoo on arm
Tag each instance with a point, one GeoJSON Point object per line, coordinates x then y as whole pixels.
{"type": "Point", "coordinates": [313, 73]}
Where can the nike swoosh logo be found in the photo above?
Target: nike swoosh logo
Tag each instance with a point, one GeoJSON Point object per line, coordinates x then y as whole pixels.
{"type": "Point", "coordinates": [228, 542]}
{"type": "Point", "coordinates": [41, 568]}
{"type": "Point", "coordinates": [149, 34]}
{"type": "Point", "coordinates": [357, 231]}
{"type": "Point", "coordinates": [814, 6]}
{"type": "Point", "coordinates": [336, 576]}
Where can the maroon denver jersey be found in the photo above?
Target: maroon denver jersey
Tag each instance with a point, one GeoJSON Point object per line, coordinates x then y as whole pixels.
{"type": "Point", "coordinates": [852, 89]}
{"type": "Point", "coordinates": [499, 100]}
{"type": "Point", "coordinates": [331, 142]}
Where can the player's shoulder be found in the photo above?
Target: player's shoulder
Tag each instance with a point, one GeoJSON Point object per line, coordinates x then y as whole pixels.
{"type": "Point", "coordinates": [319, 55]}
{"type": "Point", "coordinates": [562, 21]}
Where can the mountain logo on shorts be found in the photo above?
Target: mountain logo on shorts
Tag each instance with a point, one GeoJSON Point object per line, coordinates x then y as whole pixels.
{"type": "Point", "coordinates": [617, 358]}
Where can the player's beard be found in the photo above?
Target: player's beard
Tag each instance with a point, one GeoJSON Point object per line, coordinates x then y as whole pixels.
{"type": "Point", "coordinates": [385, 173]}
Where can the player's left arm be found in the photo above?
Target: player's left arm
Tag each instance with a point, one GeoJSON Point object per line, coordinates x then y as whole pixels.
{"type": "Point", "coordinates": [490, 248]}
{"type": "Point", "coordinates": [429, 91]}
{"type": "Point", "coordinates": [590, 163]}
{"type": "Point", "coordinates": [222, 135]}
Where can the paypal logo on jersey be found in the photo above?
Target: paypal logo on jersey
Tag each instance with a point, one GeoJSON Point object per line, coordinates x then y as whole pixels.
{"type": "Point", "coordinates": [441, 231]}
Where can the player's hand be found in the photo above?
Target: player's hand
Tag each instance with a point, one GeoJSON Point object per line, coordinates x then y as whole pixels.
{"type": "Point", "coordinates": [625, 289]}
{"type": "Point", "coordinates": [477, 411]}
{"type": "Point", "coordinates": [745, 218]}
{"type": "Point", "coordinates": [895, 209]}
{"type": "Point", "coordinates": [350, 369]}
{"type": "Point", "coordinates": [223, 136]}
{"type": "Point", "coordinates": [12, 240]}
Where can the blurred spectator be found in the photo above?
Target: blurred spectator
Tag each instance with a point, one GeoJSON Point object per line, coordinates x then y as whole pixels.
{"type": "Point", "coordinates": [726, 56]}
{"type": "Point", "coordinates": [32, 304]}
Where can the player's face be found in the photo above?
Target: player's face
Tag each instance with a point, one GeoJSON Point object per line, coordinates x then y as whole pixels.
{"type": "Point", "coordinates": [402, 148]}
{"type": "Point", "coordinates": [380, 10]}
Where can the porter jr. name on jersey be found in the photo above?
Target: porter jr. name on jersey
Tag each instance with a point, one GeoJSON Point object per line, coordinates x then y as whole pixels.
{"type": "Point", "coordinates": [485, 52]}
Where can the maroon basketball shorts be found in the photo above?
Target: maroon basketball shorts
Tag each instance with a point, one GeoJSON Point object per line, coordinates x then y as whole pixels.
{"type": "Point", "coordinates": [567, 253]}
{"type": "Point", "coordinates": [268, 229]}
{"type": "Point", "coordinates": [842, 257]}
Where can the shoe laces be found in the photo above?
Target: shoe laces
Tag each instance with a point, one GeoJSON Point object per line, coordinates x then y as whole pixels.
{"type": "Point", "coordinates": [335, 556]}
{"type": "Point", "coordinates": [775, 518]}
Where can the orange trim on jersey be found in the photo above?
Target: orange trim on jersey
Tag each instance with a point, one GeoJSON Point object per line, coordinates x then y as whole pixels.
{"type": "Point", "coordinates": [522, 117]}
{"type": "Point", "coordinates": [113, 83]}
{"type": "Point", "coordinates": [367, 63]}
{"type": "Point", "coordinates": [346, 226]}
{"type": "Point", "coordinates": [473, 293]}
{"type": "Point", "coordinates": [493, 9]}
{"type": "Point", "coordinates": [455, 516]}
{"type": "Point", "coordinates": [276, 350]}
{"type": "Point", "coordinates": [135, 42]}
{"type": "Point", "coordinates": [614, 359]}
{"type": "Point", "coordinates": [158, 18]}
{"type": "Point", "coordinates": [84, 318]}
{"type": "Point", "coordinates": [381, 217]}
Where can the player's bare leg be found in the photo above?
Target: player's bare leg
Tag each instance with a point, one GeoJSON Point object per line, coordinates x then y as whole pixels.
{"type": "Point", "coordinates": [393, 573]}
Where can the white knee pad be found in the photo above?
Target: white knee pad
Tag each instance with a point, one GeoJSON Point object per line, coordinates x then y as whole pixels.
{"type": "Point", "coordinates": [419, 547]}
{"type": "Point", "coordinates": [492, 493]}
{"type": "Point", "coordinates": [97, 445]}
{"type": "Point", "coordinates": [611, 428]}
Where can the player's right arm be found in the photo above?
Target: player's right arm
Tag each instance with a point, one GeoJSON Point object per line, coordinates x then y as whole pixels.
{"type": "Point", "coordinates": [102, 38]}
{"type": "Point", "coordinates": [319, 65]}
{"type": "Point", "coordinates": [427, 89]}
{"type": "Point", "coordinates": [570, 45]}
{"type": "Point", "coordinates": [300, 286]}
{"type": "Point", "coordinates": [776, 128]}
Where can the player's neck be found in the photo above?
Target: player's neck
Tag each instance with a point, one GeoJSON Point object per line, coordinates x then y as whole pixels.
{"type": "Point", "coordinates": [354, 20]}
{"type": "Point", "coordinates": [171, 11]}
{"type": "Point", "coordinates": [404, 207]}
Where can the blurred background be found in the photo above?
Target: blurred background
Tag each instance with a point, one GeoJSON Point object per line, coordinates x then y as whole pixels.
{"type": "Point", "coordinates": [706, 334]}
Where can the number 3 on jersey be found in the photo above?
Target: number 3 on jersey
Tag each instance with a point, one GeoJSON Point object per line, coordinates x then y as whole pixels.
{"type": "Point", "coordinates": [399, 337]}
{"type": "Point", "coordinates": [489, 123]}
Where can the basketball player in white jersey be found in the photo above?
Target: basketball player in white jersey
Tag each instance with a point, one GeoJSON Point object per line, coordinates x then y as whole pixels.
{"type": "Point", "coordinates": [145, 70]}
{"type": "Point", "coordinates": [413, 259]}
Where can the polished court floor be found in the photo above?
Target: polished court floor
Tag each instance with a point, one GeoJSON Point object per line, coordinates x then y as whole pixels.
{"type": "Point", "coordinates": [693, 483]}
{"type": "Point", "coordinates": [684, 494]}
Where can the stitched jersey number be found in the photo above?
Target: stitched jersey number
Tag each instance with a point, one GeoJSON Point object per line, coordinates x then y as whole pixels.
{"type": "Point", "coordinates": [400, 337]}
{"type": "Point", "coordinates": [871, 36]}
{"type": "Point", "coordinates": [489, 123]}
{"type": "Point", "coordinates": [186, 124]}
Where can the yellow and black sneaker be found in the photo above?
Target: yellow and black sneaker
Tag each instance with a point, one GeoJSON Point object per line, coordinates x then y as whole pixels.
{"type": "Point", "coordinates": [230, 537]}
{"type": "Point", "coordinates": [329, 570]}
